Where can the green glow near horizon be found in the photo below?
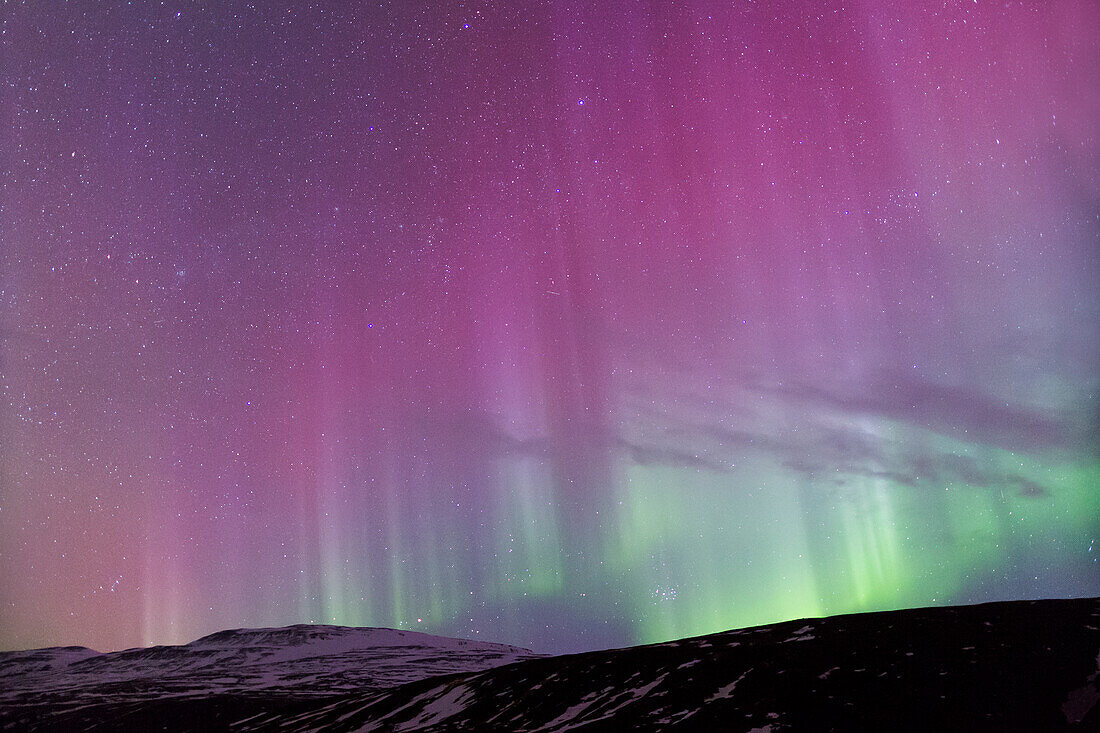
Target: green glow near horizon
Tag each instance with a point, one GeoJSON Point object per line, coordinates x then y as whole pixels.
{"type": "Point", "coordinates": [699, 551]}
{"type": "Point", "coordinates": [874, 545]}
{"type": "Point", "coordinates": [685, 551]}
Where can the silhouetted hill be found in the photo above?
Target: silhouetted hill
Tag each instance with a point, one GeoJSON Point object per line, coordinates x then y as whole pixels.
{"type": "Point", "coordinates": [1015, 666]}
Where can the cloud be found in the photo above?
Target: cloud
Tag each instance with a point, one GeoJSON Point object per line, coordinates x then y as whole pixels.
{"type": "Point", "coordinates": [819, 452]}
{"type": "Point", "coordinates": [911, 469]}
{"type": "Point", "coordinates": [957, 411]}
{"type": "Point", "coordinates": [1028, 488]}
{"type": "Point", "coordinates": [647, 455]}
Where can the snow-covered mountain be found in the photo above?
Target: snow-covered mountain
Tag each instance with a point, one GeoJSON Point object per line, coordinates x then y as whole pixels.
{"type": "Point", "coordinates": [1016, 666]}
{"type": "Point", "coordinates": [249, 665]}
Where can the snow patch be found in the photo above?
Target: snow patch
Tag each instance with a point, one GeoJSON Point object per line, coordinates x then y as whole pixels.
{"type": "Point", "coordinates": [638, 694]}
{"type": "Point", "coordinates": [572, 712]}
{"type": "Point", "coordinates": [450, 703]}
{"type": "Point", "coordinates": [727, 691]}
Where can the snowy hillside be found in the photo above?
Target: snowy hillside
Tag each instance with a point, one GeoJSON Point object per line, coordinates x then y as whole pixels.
{"type": "Point", "coordinates": [1016, 666]}
{"type": "Point", "coordinates": [287, 664]}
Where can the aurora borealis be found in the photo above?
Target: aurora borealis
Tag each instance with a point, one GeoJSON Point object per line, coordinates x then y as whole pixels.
{"type": "Point", "coordinates": [565, 325]}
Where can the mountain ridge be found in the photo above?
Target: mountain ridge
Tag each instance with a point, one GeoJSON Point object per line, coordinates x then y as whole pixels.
{"type": "Point", "coordinates": [1008, 665]}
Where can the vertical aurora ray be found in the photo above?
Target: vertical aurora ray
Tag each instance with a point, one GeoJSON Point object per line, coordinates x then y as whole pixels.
{"type": "Point", "coordinates": [559, 325]}
{"type": "Point", "coordinates": [688, 582]}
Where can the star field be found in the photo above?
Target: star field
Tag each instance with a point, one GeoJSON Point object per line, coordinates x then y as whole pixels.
{"type": "Point", "coordinates": [565, 325]}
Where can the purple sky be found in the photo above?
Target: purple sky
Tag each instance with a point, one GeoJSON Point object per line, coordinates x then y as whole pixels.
{"type": "Point", "coordinates": [563, 325]}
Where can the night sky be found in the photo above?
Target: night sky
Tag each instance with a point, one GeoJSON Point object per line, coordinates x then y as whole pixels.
{"type": "Point", "coordinates": [566, 325]}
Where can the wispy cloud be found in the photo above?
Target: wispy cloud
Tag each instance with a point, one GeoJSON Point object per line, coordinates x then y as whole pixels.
{"type": "Point", "coordinates": [963, 413]}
